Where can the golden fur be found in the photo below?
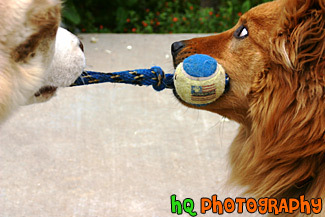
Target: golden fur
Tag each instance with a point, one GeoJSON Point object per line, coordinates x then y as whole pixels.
{"type": "Point", "coordinates": [277, 94]}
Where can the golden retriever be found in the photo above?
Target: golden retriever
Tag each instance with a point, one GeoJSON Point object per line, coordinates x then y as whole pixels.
{"type": "Point", "coordinates": [36, 56]}
{"type": "Point", "coordinates": [274, 57]}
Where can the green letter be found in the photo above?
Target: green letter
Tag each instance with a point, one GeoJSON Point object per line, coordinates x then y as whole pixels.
{"type": "Point", "coordinates": [176, 204]}
{"type": "Point", "coordinates": [189, 206]}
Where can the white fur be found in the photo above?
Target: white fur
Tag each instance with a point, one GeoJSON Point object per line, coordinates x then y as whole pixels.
{"type": "Point", "coordinates": [53, 61]}
{"type": "Point", "coordinates": [67, 64]}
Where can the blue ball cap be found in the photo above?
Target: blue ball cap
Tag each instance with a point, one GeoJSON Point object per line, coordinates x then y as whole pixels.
{"type": "Point", "coordinates": [200, 65]}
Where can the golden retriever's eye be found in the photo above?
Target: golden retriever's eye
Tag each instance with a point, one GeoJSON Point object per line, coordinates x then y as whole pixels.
{"type": "Point", "coordinates": [241, 32]}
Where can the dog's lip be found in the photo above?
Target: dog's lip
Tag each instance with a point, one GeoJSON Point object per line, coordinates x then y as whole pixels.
{"type": "Point", "coordinates": [45, 90]}
{"type": "Point", "coordinates": [176, 95]}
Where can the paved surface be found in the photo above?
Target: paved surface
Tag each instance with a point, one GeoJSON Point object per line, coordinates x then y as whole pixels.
{"type": "Point", "coordinates": [111, 149]}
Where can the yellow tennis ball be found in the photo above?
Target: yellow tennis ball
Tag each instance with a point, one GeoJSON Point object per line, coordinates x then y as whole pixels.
{"type": "Point", "coordinates": [200, 80]}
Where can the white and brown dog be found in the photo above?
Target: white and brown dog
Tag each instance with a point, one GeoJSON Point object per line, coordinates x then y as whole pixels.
{"type": "Point", "coordinates": [36, 55]}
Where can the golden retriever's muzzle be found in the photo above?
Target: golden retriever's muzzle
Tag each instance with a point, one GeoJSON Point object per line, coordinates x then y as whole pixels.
{"type": "Point", "coordinates": [175, 49]}
{"type": "Point", "coordinates": [181, 50]}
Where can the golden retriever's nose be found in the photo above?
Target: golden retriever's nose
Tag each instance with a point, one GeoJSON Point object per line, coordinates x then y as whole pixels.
{"type": "Point", "coordinates": [177, 47]}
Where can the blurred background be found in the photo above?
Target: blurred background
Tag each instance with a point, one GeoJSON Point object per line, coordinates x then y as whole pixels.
{"type": "Point", "coordinates": [152, 16]}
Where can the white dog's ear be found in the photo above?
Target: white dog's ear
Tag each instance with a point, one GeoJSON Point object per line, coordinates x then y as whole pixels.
{"type": "Point", "coordinates": [41, 24]}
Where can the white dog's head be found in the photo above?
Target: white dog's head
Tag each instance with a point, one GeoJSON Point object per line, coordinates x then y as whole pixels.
{"type": "Point", "coordinates": [67, 64]}
{"type": "Point", "coordinates": [36, 56]}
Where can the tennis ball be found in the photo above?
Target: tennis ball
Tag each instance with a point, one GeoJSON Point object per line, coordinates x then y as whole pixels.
{"type": "Point", "coordinates": [200, 80]}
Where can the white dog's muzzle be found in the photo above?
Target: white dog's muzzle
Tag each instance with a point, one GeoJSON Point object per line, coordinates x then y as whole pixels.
{"type": "Point", "coordinates": [67, 64]}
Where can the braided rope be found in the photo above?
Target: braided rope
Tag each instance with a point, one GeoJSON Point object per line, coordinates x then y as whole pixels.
{"type": "Point", "coordinates": [154, 76]}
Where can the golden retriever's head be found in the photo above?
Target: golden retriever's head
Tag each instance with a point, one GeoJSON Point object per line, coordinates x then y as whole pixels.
{"type": "Point", "coordinates": [274, 57]}
{"type": "Point", "coordinates": [261, 39]}
{"type": "Point", "coordinates": [34, 52]}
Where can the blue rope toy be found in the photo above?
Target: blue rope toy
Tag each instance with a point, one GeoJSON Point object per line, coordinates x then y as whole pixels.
{"type": "Point", "coordinates": [199, 80]}
{"type": "Point", "coordinates": [154, 76]}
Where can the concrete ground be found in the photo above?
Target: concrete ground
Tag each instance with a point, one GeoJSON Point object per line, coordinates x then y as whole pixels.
{"type": "Point", "coordinates": [113, 150]}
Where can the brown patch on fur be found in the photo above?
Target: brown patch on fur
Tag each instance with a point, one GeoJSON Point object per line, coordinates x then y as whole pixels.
{"type": "Point", "coordinates": [277, 94]}
{"type": "Point", "coordinates": [46, 20]}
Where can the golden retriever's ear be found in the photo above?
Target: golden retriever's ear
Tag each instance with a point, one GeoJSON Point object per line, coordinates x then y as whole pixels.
{"type": "Point", "coordinates": [300, 40]}
{"type": "Point", "coordinates": [287, 106]}
{"type": "Point", "coordinates": [287, 137]}
{"type": "Point", "coordinates": [43, 19]}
